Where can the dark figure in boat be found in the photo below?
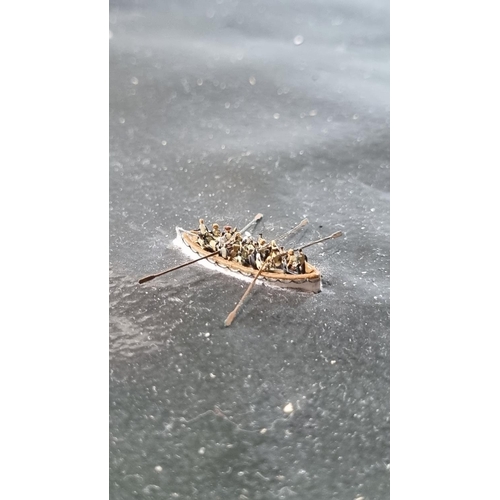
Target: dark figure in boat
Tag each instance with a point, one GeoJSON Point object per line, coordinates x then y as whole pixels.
{"type": "Point", "coordinates": [302, 259]}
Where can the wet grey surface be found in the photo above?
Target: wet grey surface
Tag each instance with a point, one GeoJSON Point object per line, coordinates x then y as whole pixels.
{"type": "Point", "coordinates": [216, 112]}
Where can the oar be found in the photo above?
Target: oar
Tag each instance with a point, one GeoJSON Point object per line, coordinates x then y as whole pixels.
{"type": "Point", "coordinates": [287, 234]}
{"type": "Point", "coordinates": [255, 219]}
{"type": "Point", "coordinates": [334, 235]}
{"type": "Point", "coordinates": [292, 231]}
{"type": "Point", "coordinates": [232, 314]}
{"type": "Point", "coordinates": [153, 276]}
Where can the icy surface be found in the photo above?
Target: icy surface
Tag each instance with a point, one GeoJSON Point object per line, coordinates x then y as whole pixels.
{"type": "Point", "coordinates": [217, 112]}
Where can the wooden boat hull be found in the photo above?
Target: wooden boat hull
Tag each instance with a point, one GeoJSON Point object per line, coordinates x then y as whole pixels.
{"type": "Point", "coordinates": [309, 282]}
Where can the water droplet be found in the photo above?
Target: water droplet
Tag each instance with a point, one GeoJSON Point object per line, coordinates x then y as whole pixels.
{"type": "Point", "coordinates": [276, 116]}
{"type": "Point", "coordinates": [298, 40]}
{"type": "Point", "coordinates": [201, 451]}
{"type": "Point", "coordinates": [164, 143]}
{"type": "Point", "coordinates": [252, 80]}
{"type": "Point", "coordinates": [313, 112]}
{"type": "Point", "coordinates": [134, 80]}
{"type": "Point", "coordinates": [355, 117]}
{"type": "Point", "coordinates": [288, 408]}
{"type": "Point", "coordinates": [199, 81]}
{"type": "Point", "coordinates": [122, 120]}
{"type": "Point", "coordinates": [158, 468]}
{"type": "Point", "coordinates": [110, 34]}
{"type": "Point", "coordinates": [227, 105]}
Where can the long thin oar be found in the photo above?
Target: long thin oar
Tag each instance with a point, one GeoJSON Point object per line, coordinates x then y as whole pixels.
{"type": "Point", "coordinates": [255, 219]}
{"type": "Point", "coordinates": [292, 231]}
{"type": "Point", "coordinates": [232, 314]}
{"type": "Point", "coordinates": [153, 276]}
{"type": "Point", "coordinates": [283, 236]}
{"type": "Point", "coordinates": [334, 235]}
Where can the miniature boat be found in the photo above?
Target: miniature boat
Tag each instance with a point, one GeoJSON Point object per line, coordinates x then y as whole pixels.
{"type": "Point", "coordinates": [309, 281]}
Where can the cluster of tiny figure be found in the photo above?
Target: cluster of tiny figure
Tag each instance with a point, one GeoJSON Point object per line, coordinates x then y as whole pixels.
{"type": "Point", "coordinates": [243, 249]}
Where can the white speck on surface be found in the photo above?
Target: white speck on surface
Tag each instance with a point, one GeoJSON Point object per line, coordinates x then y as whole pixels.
{"type": "Point", "coordinates": [313, 112]}
{"type": "Point", "coordinates": [252, 80]}
{"type": "Point", "coordinates": [263, 431]}
{"type": "Point", "coordinates": [298, 40]}
{"type": "Point", "coordinates": [201, 451]}
{"type": "Point", "coordinates": [276, 116]}
{"type": "Point", "coordinates": [212, 375]}
{"type": "Point", "coordinates": [158, 468]}
{"type": "Point", "coordinates": [134, 80]}
{"type": "Point", "coordinates": [288, 408]}
{"type": "Point", "coordinates": [164, 143]}
{"type": "Point", "coordinates": [207, 334]}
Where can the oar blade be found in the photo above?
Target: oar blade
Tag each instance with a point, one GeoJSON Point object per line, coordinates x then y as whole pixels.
{"type": "Point", "coordinates": [230, 318]}
{"type": "Point", "coordinates": [147, 278]}
{"type": "Point", "coordinates": [256, 219]}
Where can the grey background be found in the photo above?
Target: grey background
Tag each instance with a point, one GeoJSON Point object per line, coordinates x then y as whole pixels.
{"type": "Point", "coordinates": [216, 112]}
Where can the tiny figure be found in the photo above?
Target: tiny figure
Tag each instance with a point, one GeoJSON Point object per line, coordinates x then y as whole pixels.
{"type": "Point", "coordinates": [225, 236]}
{"type": "Point", "coordinates": [203, 228]}
{"type": "Point", "coordinates": [213, 244]}
{"type": "Point", "coordinates": [283, 254]}
{"type": "Point", "coordinates": [236, 246]}
{"type": "Point", "coordinates": [262, 247]}
{"type": "Point", "coordinates": [248, 254]}
{"type": "Point", "coordinates": [215, 230]}
{"type": "Point", "coordinates": [258, 260]}
{"type": "Point", "coordinates": [302, 259]}
{"type": "Point", "coordinates": [275, 255]}
{"type": "Point", "coordinates": [291, 261]}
